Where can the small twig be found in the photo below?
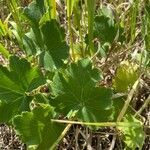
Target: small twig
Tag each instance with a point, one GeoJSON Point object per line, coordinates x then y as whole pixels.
{"type": "Point", "coordinates": [113, 142]}
{"type": "Point", "coordinates": [124, 109]}
{"type": "Point", "coordinates": [147, 101]}
{"type": "Point", "coordinates": [127, 102]}
{"type": "Point", "coordinates": [61, 136]}
{"type": "Point", "coordinates": [76, 137]}
{"type": "Point", "coordinates": [100, 124]}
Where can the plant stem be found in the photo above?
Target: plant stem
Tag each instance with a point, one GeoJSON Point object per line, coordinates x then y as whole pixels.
{"type": "Point", "coordinates": [71, 38]}
{"type": "Point", "coordinates": [127, 102]}
{"type": "Point", "coordinates": [61, 136]}
{"type": "Point", "coordinates": [69, 13]}
{"type": "Point", "coordinates": [101, 124]}
{"type": "Point", "coordinates": [146, 103]}
{"type": "Point", "coordinates": [91, 10]}
{"type": "Point", "coordinates": [81, 34]}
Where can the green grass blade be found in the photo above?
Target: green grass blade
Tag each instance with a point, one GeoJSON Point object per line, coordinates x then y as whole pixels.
{"type": "Point", "coordinates": [2, 29]}
{"type": "Point", "coordinates": [91, 10]}
{"type": "Point", "coordinates": [52, 9]}
{"type": "Point", "coordinates": [70, 4]}
{"type": "Point", "coordinates": [14, 9]}
{"type": "Point", "coordinates": [134, 13]}
{"type": "Point", "coordinates": [146, 25]}
{"type": "Point", "coordinates": [4, 51]}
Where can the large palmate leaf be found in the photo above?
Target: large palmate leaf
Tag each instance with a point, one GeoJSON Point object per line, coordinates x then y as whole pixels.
{"type": "Point", "coordinates": [133, 136]}
{"type": "Point", "coordinates": [75, 89]}
{"type": "Point", "coordinates": [15, 82]}
{"type": "Point", "coordinates": [36, 128]}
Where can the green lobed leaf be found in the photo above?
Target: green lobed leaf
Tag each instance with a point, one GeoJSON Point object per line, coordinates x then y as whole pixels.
{"type": "Point", "coordinates": [15, 82]}
{"type": "Point", "coordinates": [106, 11]}
{"type": "Point", "coordinates": [75, 90]}
{"type": "Point", "coordinates": [56, 47]}
{"type": "Point", "coordinates": [46, 37]}
{"type": "Point", "coordinates": [29, 44]}
{"type": "Point", "coordinates": [36, 128]}
{"type": "Point", "coordinates": [126, 76]}
{"type": "Point", "coordinates": [133, 136]}
{"type": "Point", "coordinates": [104, 26]}
{"type": "Point", "coordinates": [33, 42]}
{"type": "Point", "coordinates": [107, 28]}
{"type": "Point", "coordinates": [34, 11]}
{"type": "Point", "coordinates": [53, 34]}
{"type": "Point", "coordinates": [9, 109]}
